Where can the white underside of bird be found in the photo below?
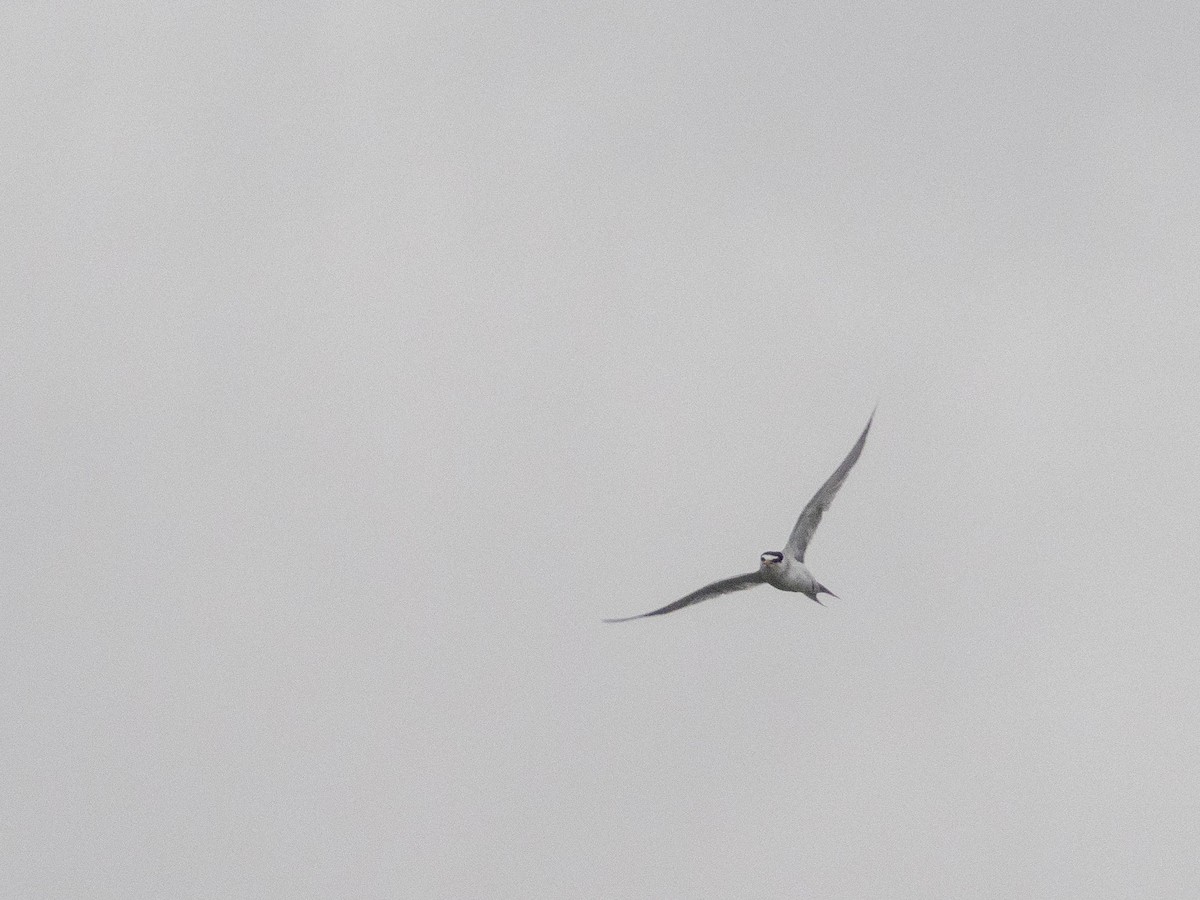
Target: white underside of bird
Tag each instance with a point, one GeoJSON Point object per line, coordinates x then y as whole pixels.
{"type": "Point", "coordinates": [790, 575]}
{"type": "Point", "coordinates": [784, 569]}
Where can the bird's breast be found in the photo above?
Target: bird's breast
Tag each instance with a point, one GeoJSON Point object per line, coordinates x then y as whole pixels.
{"type": "Point", "coordinates": [792, 576]}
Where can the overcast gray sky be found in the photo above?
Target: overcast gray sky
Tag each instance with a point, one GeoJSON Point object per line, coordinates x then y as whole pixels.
{"type": "Point", "coordinates": [357, 359]}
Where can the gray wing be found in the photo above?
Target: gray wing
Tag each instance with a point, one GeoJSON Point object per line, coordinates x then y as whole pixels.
{"type": "Point", "coordinates": [716, 589]}
{"type": "Point", "coordinates": [811, 517]}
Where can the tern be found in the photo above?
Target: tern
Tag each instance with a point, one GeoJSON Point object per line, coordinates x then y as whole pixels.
{"type": "Point", "coordinates": [781, 569]}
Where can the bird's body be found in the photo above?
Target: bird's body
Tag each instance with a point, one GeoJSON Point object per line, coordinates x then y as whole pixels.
{"type": "Point", "coordinates": [783, 570]}
{"type": "Point", "coordinates": [790, 575]}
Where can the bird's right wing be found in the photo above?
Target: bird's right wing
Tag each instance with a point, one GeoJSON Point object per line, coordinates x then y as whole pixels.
{"type": "Point", "coordinates": [716, 589]}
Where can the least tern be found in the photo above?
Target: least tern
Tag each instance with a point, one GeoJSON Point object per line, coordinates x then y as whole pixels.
{"type": "Point", "coordinates": [784, 570]}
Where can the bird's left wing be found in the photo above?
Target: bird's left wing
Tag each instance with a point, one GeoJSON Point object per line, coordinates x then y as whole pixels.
{"type": "Point", "coordinates": [807, 524]}
{"type": "Point", "coordinates": [716, 589]}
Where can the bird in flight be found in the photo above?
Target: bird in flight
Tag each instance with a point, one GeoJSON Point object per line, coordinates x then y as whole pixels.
{"type": "Point", "coordinates": [784, 570]}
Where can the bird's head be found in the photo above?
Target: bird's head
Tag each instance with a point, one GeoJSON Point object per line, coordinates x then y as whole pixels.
{"type": "Point", "coordinates": [771, 559]}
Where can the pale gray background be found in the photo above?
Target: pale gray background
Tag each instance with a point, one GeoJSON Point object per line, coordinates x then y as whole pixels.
{"type": "Point", "coordinates": [357, 359]}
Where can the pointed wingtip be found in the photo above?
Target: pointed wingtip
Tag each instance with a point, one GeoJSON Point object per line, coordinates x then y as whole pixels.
{"type": "Point", "coordinates": [871, 418]}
